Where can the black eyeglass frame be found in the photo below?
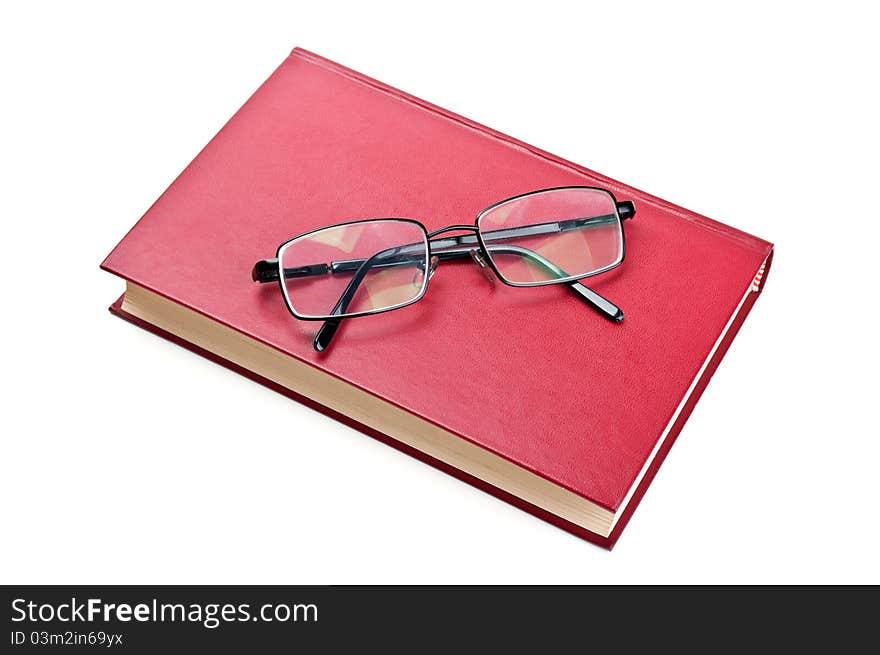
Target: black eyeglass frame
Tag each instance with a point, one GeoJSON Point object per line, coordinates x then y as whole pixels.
{"type": "Point", "coordinates": [277, 263]}
{"type": "Point", "coordinates": [272, 270]}
{"type": "Point", "coordinates": [623, 210]}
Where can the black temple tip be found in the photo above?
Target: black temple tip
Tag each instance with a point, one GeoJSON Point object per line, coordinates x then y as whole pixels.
{"type": "Point", "coordinates": [325, 334]}
{"type": "Point", "coordinates": [265, 270]}
{"type": "Point", "coordinates": [626, 209]}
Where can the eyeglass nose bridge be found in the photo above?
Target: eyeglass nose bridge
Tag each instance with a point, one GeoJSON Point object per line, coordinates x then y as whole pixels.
{"type": "Point", "coordinates": [457, 246]}
{"type": "Point", "coordinates": [452, 228]}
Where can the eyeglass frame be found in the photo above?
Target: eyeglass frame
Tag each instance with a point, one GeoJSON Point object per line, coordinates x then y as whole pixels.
{"type": "Point", "coordinates": [268, 270]}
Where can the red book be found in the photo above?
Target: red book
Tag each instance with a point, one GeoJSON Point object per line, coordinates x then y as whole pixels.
{"type": "Point", "coordinates": [524, 392]}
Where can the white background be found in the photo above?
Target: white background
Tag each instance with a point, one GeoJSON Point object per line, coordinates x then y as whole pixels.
{"type": "Point", "coordinates": [127, 459]}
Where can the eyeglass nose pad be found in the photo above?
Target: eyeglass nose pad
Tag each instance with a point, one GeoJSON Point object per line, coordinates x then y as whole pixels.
{"type": "Point", "coordinates": [419, 275]}
{"type": "Point", "coordinates": [478, 257]}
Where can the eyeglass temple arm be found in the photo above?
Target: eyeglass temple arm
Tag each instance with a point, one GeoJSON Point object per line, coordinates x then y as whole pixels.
{"type": "Point", "coordinates": [601, 304]}
{"type": "Point", "coordinates": [393, 257]}
{"type": "Point", "coordinates": [598, 302]}
{"type": "Point", "coordinates": [626, 209]}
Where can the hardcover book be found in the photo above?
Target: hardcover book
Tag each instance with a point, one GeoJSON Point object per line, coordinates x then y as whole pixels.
{"type": "Point", "coordinates": [523, 392]}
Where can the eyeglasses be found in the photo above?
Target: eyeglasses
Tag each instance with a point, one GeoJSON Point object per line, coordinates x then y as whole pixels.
{"type": "Point", "coordinates": [360, 268]}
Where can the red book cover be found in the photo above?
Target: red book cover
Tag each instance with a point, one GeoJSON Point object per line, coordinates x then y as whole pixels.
{"type": "Point", "coordinates": [530, 376]}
